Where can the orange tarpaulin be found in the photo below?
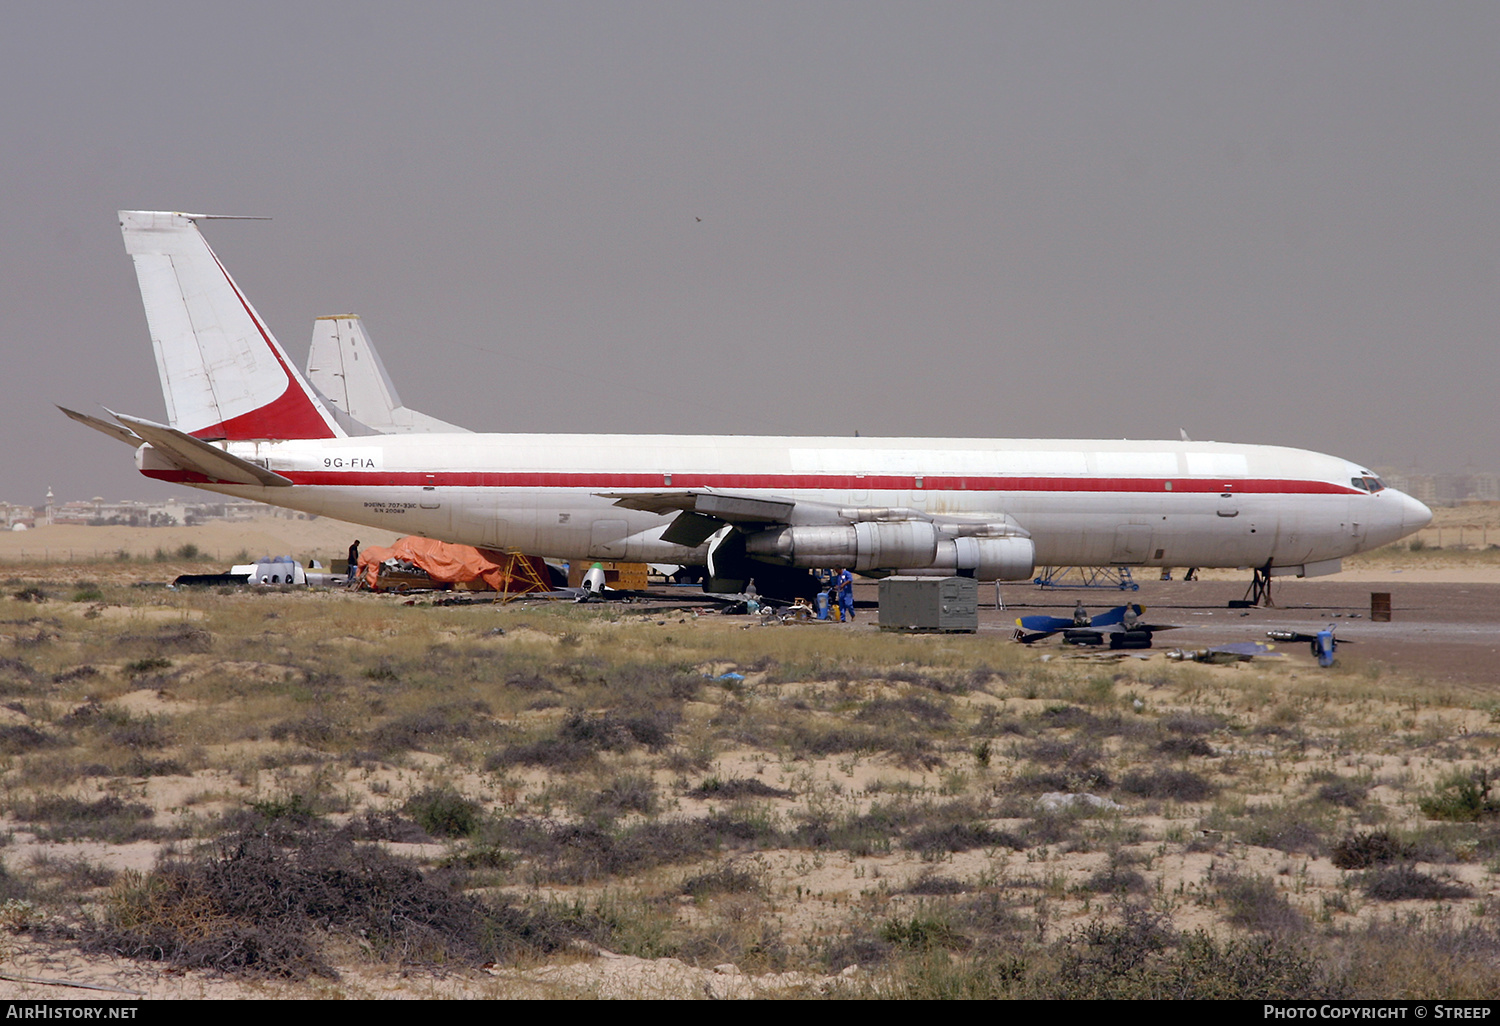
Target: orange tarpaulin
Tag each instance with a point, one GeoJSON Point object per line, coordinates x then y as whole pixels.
{"type": "Point", "coordinates": [448, 563]}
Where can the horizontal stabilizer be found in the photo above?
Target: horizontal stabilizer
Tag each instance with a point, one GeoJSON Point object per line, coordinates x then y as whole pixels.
{"type": "Point", "coordinates": [193, 454]}
{"type": "Point", "coordinates": [124, 434]}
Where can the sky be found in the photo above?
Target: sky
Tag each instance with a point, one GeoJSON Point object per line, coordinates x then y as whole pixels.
{"type": "Point", "coordinates": [1257, 222]}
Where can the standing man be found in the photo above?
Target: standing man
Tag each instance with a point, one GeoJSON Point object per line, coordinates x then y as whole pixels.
{"type": "Point", "coordinates": [843, 583]}
{"type": "Point", "coordinates": [353, 561]}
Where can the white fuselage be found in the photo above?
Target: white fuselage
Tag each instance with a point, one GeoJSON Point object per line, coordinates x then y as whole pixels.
{"type": "Point", "coordinates": [1084, 503]}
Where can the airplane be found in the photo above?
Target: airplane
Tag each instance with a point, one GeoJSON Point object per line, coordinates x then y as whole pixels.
{"type": "Point", "coordinates": [242, 421]}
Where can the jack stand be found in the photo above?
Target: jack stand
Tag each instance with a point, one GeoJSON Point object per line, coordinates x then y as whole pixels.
{"type": "Point", "coordinates": [1259, 592]}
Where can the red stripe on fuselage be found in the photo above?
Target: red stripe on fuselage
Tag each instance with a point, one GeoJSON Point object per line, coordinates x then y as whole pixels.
{"type": "Point", "coordinates": [798, 482]}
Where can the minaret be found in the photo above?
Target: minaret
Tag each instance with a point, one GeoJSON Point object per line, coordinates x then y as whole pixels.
{"type": "Point", "coordinates": [49, 507]}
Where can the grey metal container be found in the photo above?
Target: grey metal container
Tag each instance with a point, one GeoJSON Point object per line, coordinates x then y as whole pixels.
{"type": "Point", "coordinates": [929, 604]}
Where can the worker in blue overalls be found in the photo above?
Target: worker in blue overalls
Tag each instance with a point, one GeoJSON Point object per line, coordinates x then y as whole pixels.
{"type": "Point", "coordinates": [843, 583]}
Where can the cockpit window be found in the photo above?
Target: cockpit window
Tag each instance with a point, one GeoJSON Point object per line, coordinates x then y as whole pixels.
{"type": "Point", "coordinates": [1374, 484]}
{"type": "Point", "coordinates": [1359, 483]}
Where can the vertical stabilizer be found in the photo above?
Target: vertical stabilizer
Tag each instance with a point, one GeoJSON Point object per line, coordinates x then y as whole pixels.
{"type": "Point", "coordinates": [223, 374]}
{"type": "Point", "coordinates": [345, 369]}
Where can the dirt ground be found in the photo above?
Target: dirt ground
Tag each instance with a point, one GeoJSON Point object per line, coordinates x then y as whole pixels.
{"type": "Point", "coordinates": [271, 535]}
{"type": "Point", "coordinates": [1444, 634]}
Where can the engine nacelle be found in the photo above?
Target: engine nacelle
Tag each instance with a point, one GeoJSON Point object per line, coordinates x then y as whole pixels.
{"type": "Point", "coordinates": [864, 546]}
{"type": "Point", "coordinates": [985, 559]}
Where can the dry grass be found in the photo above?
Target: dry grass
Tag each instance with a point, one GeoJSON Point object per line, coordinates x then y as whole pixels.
{"type": "Point", "coordinates": [588, 776]}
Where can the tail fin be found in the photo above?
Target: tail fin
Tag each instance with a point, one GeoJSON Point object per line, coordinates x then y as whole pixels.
{"type": "Point", "coordinates": [222, 372]}
{"type": "Point", "coordinates": [345, 369]}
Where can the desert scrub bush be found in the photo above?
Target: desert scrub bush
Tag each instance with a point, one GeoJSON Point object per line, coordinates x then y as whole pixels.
{"type": "Point", "coordinates": [1115, 878]}
{"type": "Point", "coordinates": [1176, 785]}
{"type": "Point", "coordinates": [261, 902]}
{"type": "Point", "coordinates": [150, 664]}
{"type": "Point", "coordinates": [860, 834]}
{"type": "Point", "coordinates": [1184, 747]}
{"type": "Point", "coordinates": [927, 929]}
{"type": "Point", "coordinates": [736, 788]}
{"type": "Point", "coordinates": [907, 747]}
{"type": "Point", "coordinates": [911, 711]}
{"type": "Point", "coordinates": [628, 792]}
{"type": "Point", "coordinates": [431, 726]}
{"type": "Point", "coordinates": [132, 733]}
{"type": "Point", "coordinates": [573, 853]}
{"type": "Point", "coordinates": [1289, 826]}
{"type": "Point", "coordinates": [443, 812]}
{"type": "Point", "coordinates": [918, 679]}
{"type": "Point", "coordinates": [1068, 781]}
{"type": "Point", "coordinates": [1405, 882]}
{"type": "Point", "coordinates": [1461, 798]}
{"type": "Point", "coordinates": [581, 738]}
{"type": "Point", "coordinates": [1254, 903]}
{"type": "Point", "coordinates": [725, 878]}
{"type": "Point", "coordinates": [550, 753]}
{"type": "Point", "coordinates": [1059, 752]}
{"type": "Point", "coordinates": [1408, 957]}
{"type": "Point", "coordinates": [177, 637]}
{"type": "Point", "coordinates": [1345, 792]}
{"type": "Point", "coordinates": [316, 730]}
{"type": "Point", "coordinates": [295, 808]}
{"type": "Point", "coordinates": [58, 817]}
{"type": "Point", "coordinates": [1191, 724]}
{"type": "Point", "coordinates": [385, 825]}
{"type": "Point", "coordinates": [1361, 851]}
{"type": "Point", "coordinates": [1135, 954]}
{"type": "Point", "coordinates": [942, 838]}
{"type": "Point", "coordinates": [17, 739]}
{"type": "Point", "coordinates": [614, 733]}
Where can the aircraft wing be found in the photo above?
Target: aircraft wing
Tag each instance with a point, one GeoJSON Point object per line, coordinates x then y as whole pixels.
{"type": "Point", "coordinates": [196, 455]}
{"type": "Point", "coordinates": [734, 509]}
{"type": "Point", "coordinates": [701, 513]}
{"type": "Point", "coordinates": [116, 431]}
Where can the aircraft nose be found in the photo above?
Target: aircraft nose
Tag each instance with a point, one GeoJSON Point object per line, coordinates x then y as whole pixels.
{"type": "Point", "coordinates": [1414, 514]}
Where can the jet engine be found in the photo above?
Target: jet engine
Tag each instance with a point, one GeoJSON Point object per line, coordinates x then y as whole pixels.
{"type": "Point", "coordinates": [911, 546]}
{"type": "Point", "coordinates": [864, 546]}
{"type": "Point", "coordinates": [983, 558]}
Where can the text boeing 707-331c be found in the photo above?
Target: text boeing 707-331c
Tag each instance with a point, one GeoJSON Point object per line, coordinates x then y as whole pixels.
{"type": "Point", "coordinates": [241, 420]}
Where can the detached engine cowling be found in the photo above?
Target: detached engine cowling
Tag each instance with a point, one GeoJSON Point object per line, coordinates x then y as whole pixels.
{"type": "Point", "coordinates": [864, 546]}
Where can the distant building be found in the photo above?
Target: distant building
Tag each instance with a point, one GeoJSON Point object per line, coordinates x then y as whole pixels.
{"type": "Point", "coordinates": [1446, 489]}
{"type": "Point", "coordinates": [173, 512]}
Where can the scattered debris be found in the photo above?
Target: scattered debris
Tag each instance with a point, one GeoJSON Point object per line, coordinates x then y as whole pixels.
{"type": "Point", "coordinates": [1054, 801]}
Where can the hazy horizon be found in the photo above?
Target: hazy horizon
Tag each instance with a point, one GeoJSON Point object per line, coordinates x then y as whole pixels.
{"type": "Point", "coordinates": [1269, 223]}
